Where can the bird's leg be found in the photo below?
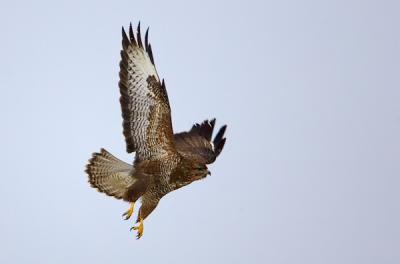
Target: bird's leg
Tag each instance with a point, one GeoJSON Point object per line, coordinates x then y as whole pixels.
{"type": "Point", "coordinates": [139, 228]}
{"type": "Point", "coordinates": [129, 213]}
{"type": "Point", "coordinates": [144, 211]}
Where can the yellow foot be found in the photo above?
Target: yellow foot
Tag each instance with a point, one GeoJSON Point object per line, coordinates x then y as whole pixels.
{"type": "Point", "coordinates": [139, 229]}
{"type": "Point", "coordinates": [129, 213]}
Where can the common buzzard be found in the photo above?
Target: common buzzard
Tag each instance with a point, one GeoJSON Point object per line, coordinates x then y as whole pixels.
{"type": "Point", "coordinates": [163, 161]}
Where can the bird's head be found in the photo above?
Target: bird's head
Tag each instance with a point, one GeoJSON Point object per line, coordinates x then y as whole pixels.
{"type": "Point", "coordinates": [191, 171]}
{"type": "Point", "coordinates": [199, 171]}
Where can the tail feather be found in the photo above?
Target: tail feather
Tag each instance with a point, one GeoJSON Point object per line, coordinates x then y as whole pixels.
{"type": "Point", "coordinates": [109, 175]}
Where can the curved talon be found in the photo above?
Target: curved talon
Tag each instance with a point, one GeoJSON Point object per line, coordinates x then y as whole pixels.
{"type": "Point", "coordinates": [139, 229]}
{"type": "Point", "coordinates": [129, 213]}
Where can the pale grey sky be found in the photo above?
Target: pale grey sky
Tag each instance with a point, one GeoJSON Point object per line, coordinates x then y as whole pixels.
{"type": "Point", "coordinates": [310, 91]}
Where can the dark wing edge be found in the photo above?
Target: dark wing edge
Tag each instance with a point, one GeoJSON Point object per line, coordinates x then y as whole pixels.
{"type": "Point", "coordinates": [219, 141]}
{"type": "Point", "coordinates": [131, 40]}
{"type": "Point", "coordinates": [197, 143]}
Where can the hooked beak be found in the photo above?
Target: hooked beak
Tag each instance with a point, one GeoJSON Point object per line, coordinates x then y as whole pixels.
{"type": "Point", "coordinates": [209, 172]}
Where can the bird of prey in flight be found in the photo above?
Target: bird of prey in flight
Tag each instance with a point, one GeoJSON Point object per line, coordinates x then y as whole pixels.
{"type": "Point", "coordinates": [164, 161]}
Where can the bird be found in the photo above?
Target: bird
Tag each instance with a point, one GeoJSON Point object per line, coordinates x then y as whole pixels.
{"type": "Point", "coordinates": [163, 161]}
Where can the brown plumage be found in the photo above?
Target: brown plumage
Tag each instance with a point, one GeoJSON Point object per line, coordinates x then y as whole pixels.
{"type": "Point", "coordinates": [164, 161]}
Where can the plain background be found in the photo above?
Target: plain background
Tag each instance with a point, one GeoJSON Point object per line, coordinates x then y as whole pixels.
{"type": "Point", "coordinates": [310, 92]}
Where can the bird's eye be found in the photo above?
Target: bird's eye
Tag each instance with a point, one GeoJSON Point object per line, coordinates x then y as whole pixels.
{"type": "Point", "coordinates": [199, 168]}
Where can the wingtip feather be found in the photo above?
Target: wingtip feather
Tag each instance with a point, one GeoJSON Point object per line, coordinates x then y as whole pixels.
{"type": "Point", "coordinates": [132, 35]}
{"type": "Point", "coordinates": [146, 40]}
{"type": "Point", "coordinates": [219, 140]}
{"type": "Point", "coordinates": [139, 37]}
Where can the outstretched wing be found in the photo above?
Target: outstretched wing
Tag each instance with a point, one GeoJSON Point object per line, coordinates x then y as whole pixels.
{"type": "Point", "coordinates": [197, 144]}
{"type": "Point", "coordinates": [144, 101]}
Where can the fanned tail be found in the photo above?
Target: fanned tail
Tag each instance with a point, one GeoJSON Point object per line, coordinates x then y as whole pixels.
{"type": "Point", "coordinates": [109, 175]}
